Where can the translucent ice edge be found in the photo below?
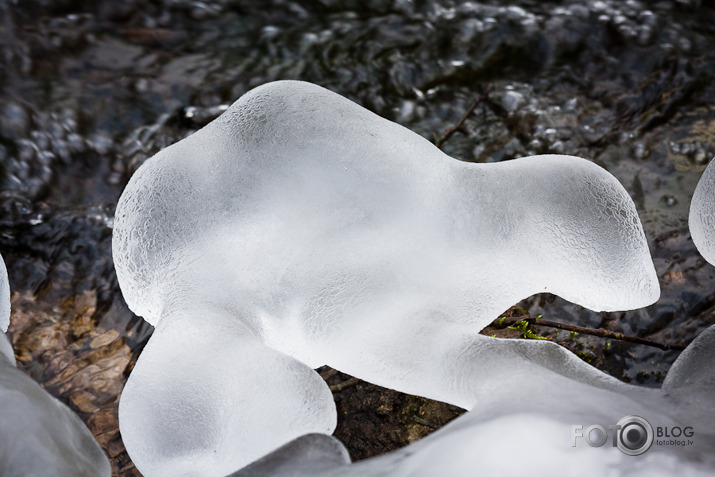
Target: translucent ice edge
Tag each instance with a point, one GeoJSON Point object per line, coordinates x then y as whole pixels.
{"type": "Point", "coordinates": [39, 436]}
{"type": "Point", "coordinates": [4, 298]}
{"type": "Point", "coordinates": [524, 424]}
{"type": "Point", "coordinates": [299, 229]}
{"type": "Point", "coordinates": [702, 215]}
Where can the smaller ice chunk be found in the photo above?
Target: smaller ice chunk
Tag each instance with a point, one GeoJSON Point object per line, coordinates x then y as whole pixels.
{"type": "Point", "coordinates": [4, 297]}
{"type": "Point", "coordinates": [533, 394]}
{"type": "Point", "coordinates": [691, 380]}
{"type": "Point", "coordinates": [5, 346]}
{"type": "Point", "coordinates": [311, 454]}
{"type": "Point", "coordinates": [702, 214]}
{"type": "Point", "coordinates": [39, 436]}
{"type": "Point", "coordinates": [6, 349]}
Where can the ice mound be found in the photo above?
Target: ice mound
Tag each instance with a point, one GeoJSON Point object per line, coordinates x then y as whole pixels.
{"type": "Point", "coordinates": [299, 229]}
{"type": "Point", "coordinates": [702, 215]}
{"type": "Point", "coordinates": [39, 436]}
{"type": "Point", "coordinates": [531, 395]}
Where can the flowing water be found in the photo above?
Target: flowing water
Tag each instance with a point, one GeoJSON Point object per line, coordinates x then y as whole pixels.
{"type": "Point", "coordinates": [90, 89]}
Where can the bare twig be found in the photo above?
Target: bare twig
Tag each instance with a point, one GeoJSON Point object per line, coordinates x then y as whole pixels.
{"type": "Point", "coordinates": [344, 385]}
{"type": "Point", "coordinates": [438, 141]}
{"type": "Point", "coordinates": [328, 373]}
{"type": "Point", "coordinates": [424, 422]}
{"type": "Point", "coordinates": [515, 320]}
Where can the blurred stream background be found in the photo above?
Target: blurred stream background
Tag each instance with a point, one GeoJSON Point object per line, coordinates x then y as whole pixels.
{"type": "Point", "coordinates": [91, 88]}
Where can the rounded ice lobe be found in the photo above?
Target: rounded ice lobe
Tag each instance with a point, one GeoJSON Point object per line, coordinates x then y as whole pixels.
{"type": "Point", "coordinates": [534, 404]}
{"type": "Point", "coordinates": [303, 223]}
{"type": "Point", "coordinates": [4, 298]}
{"type": "Point", "coordinates": [702, 215]}
{"type": "Point", "coordinates": [209, 398]}
{"type": "Point", "coordinates": [39, 436]}
{"type": "Point", "coordinates": [5, 347]}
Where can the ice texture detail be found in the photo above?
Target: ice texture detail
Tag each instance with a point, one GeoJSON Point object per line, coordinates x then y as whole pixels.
{"type": "Point", "coordinates": [702, 215]}
{"type": "Point", "coordinates": [522, 425]}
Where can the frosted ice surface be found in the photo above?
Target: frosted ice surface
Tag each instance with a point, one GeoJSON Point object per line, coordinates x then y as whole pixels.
{"type": "Point", "coordinates": [4, 297]}
{"type": "Point", "coordinates": [522, 424]}
{"type": "Point", "coordinates": [311, 454]}
{"type": "Point", "coordinates": [702, 215]}
{"type": "Point", "coordinates": [299, 229]}
{"type": "Point", "coordinates": [5, 347]}
{"type": "Point", "coordinates": [39, 436]}
{"type": "Point", "coordinates": [198, 402]}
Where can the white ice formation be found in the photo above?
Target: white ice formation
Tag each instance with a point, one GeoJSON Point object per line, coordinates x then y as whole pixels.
{"type": "Point", "coordinates": [39, 436]}
{"type": "Point", "coordinates": [299, 229]}
{"type": "Point", "coordinates": [523, 424]}
{"type": "Point", "coordinates": [702, 214]}
{"type": "Point", "coordinates": [5, 348]}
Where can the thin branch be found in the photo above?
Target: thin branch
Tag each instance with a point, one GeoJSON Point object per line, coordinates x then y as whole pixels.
{"type": "Point", "coordinates": [424, 422]}
{"type": "Point", "coordinates": [438, 141]}
{"type": "Point", "coordinates": [328, 373]}
{"type": "Point", "coordinates": [515, 320]}
{"type": "Point", "coordinates": [336, 388]}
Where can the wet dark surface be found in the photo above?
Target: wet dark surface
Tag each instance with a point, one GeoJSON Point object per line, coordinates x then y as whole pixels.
{"type": "Point", "coordinates": [90, 89]}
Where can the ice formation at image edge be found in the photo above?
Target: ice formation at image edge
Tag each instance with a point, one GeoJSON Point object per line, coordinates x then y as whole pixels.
{"type": "Point", "coordinates": [299, 229]}
{"type": "Point", "coordinates": [39, 436]}
{"type": "Point", "coordinates": [702, 215]}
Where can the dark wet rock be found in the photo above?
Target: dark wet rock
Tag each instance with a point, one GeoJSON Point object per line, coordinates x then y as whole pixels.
{"type": "Point", "coordinates": [373, 420]}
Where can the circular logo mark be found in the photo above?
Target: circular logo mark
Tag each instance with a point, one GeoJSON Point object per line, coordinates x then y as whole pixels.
{"type": "Point", "coordinates": [635, 435]}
